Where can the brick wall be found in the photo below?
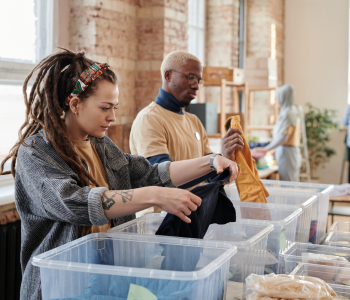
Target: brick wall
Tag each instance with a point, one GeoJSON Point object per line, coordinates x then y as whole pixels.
{"type": "Point", "coordinates": [162, 28]}
{"type": "Point", "coordinates": [222, 26]}
{"type": "Point", "coordinates": [133, 36]}
{"type": "Point", "coordinates": [106, 30]}
{"type": "Point", "coordinates": [261, 14]}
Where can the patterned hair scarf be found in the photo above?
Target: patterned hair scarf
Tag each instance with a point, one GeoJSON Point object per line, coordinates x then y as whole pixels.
{"type": "Point", "coordinates": [85, 79]}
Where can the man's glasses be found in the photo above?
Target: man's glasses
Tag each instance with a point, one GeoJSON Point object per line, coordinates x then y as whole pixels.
{"type": "Point", "coordinates": [192, 79]}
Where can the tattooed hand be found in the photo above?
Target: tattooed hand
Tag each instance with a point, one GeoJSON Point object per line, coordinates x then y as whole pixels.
{"type": "Point", "coordinates": [125, 196]}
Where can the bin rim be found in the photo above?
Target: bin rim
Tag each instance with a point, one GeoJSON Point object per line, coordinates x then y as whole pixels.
{"type": "Point", "coordinates": [336, 224]}
{"type": "Point", "coordinates": [295, 245]}
{"type": "Point", "coordinates": [43, 260]}
{"type": "Point", "coordinates": [296, 213]}
{"type": "Point", "coordinates": [268, 228]}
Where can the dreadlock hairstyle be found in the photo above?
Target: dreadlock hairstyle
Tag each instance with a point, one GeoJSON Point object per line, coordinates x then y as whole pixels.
{"type": "Point", "coordinates": [56, 77]}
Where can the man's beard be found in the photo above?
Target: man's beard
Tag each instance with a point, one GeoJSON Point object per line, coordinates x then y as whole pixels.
{"type": "Point", "coordinates": [184, 104]}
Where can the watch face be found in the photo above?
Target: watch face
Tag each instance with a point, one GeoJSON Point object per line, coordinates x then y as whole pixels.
{"type": "Point", "coordinates": [198, 137]}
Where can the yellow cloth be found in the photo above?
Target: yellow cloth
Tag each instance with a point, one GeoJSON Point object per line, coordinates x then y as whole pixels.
{"type": "Point", "coordinates": [157, 130]}
{"type": "Point", "coordinates": [294, 133]}
{"type": "Point", "coordinates": [249, 185]}
{"type": "Point", "coordinates": [88, 152]}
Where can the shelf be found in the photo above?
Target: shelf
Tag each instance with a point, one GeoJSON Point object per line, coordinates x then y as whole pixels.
{"type": "Point", "coordinates": [265, 127]}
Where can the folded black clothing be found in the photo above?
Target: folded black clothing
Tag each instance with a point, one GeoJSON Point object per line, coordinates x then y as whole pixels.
{"type": "Point", "coordinates": [216, 208]}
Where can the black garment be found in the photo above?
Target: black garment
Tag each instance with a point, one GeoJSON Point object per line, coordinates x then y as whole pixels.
{"type": "Point", "coordinates": [215, 208]}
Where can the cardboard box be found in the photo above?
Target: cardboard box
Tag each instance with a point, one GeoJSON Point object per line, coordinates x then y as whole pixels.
{"type": "Point", "coordinates": [261, 72]}
{"type": "Point", "coordinates": [212, 75]}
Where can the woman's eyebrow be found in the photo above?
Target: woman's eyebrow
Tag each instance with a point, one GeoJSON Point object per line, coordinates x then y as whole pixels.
{"type": "Point", "coordinates": [110, 103]}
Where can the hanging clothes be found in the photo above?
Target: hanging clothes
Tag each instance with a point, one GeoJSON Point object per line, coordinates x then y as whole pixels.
{"type": "Point", "coordinates": [249, 185]}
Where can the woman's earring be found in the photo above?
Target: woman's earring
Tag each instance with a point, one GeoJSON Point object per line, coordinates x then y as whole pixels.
{"type": "Point", "coordinates": [75, 113]}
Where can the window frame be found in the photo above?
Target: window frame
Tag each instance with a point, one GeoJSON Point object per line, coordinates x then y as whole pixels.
{"type": "Point", "coordinates": [14, 71]}
{"type": "Point", "coordinates": [198, 28]}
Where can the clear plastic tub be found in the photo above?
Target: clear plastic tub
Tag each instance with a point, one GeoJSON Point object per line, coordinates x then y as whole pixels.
{"type": "Point", "coordinates": [307, 202]}
{"type": "Point", "coordinates": [297, 253]}
{"type": "Point", "coordinates": [341, 290]}
{"type": "Point", "coordinates": [322, 191]}
{"type": "Point", "coordinates": [338, 239]}
{"type": "Point", "coordinates": [340, 226]}
{"type": "Point", "coordinates": [283, 217]}
{"type": "Point", "coordinates": [250, 240]}
{"type": "Point", "coordinates": [333, 275]}
{"type": "Point", "coordinates": [106, 264]}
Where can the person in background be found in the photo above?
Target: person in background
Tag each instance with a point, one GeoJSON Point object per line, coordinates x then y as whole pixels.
{"type": "Point", "coordinates": [70, 179]}
{"type": "Point", "coordinates": [346, 122]}
{"type": "Point", "coordinates": [286, 137]}
{"type": "Point", "coordinates": [164, 131]}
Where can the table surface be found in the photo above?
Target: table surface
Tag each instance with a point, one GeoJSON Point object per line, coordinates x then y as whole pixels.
{"type": "Point", "coordinates": [343, 198]}
{"type": "Point", "coordinates": [263, 174]}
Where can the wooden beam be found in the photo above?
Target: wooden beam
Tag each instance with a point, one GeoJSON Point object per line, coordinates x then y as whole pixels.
{"type": "Point", "coordinates": [223, 107]}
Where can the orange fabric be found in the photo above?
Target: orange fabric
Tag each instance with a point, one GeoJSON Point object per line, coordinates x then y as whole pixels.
{"type": "Point", "coordinates": [88, 152]}
{"type": "Point", "coordinates": [249, 185]}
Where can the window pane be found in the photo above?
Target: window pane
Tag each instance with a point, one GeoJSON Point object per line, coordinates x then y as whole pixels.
{"type": "Point", "coordinates": [195, 43]}
{"type": "Point", "coordinates": [12, 116]}
{"type": "Point", "coordinates": [196, 15]}
{"type": "Point", "coordinates": [192, 12]}
{"type": "Point", "coordinates": [17, 29]}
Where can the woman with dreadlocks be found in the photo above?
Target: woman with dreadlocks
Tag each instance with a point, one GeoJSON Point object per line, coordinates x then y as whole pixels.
{"type": "Point", "coordinates": [70, 179]}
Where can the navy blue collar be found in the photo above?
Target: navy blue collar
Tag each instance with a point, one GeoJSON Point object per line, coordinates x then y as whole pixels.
{"type": "Point", "coordinates": [169, 102]}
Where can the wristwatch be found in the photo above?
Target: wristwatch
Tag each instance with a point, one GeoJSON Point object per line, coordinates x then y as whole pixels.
{"type": "Point", "coordinates": [212, 157]}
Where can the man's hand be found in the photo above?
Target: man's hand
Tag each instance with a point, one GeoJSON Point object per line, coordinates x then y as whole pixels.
{"type": "Point", "coordinates": [231, 142]}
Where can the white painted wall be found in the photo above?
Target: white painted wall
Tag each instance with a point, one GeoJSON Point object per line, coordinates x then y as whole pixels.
{"type": "Point", "coordinates": [316, 62]}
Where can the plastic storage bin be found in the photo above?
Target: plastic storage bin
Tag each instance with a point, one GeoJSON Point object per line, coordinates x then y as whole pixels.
{"type": "Point", "coordinates": [250, 240]}
{"type": "Point", "coordinates": [333, 275]}
{"type": "Point", "coordinates": [340, 226]}
{"type": "Point", "coordinates": [307, 202]}
{"type": "Point", "coordinates": [338, 239]}
{"type": "Point", "coordinates": [341, 290]}
{"type": "Point", "coordinates": [293, 256]}
{"type": "Point", "coordinates": [106, 264]}
{"type": "Point", "coordinates": [284, 219]}
{"type": "Point", "coordinates": [322, 191]}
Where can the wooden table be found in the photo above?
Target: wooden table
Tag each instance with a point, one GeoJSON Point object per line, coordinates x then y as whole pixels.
{"type": "Point", "coordinates": [339, 210]}
{"type": "Point", "coordinates": [269, 173]}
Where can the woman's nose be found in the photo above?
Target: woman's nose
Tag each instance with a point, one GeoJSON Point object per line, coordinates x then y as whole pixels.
{"type": "Point", "coordinates": [111, 116]}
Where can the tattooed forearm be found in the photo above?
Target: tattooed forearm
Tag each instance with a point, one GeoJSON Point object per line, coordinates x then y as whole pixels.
{"type": "Point", "coordinates": [126, 195]}
{"type": "Point", "coordinates": [108, 202]}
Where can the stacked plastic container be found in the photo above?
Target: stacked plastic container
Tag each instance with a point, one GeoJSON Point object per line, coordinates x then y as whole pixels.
{"type": "Point", "coordinates": [250, 240]}
{"type": "Point", "coordinates": [284, 219]}
{"type": "Point", "coordinates": [298, 253]}
{"type": "Point", "coordinates": [307, 202]}
{"type": "Point", "coordinates": [105, 265]}
{"type": "Point", "coordinates": [336, 276]}
{"type": "Point", "coordinates": [322, 191]}
{"type": "Point", "coordinates": [340, 226]}
{"type": "Point", "coordinates": [338, 239]}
